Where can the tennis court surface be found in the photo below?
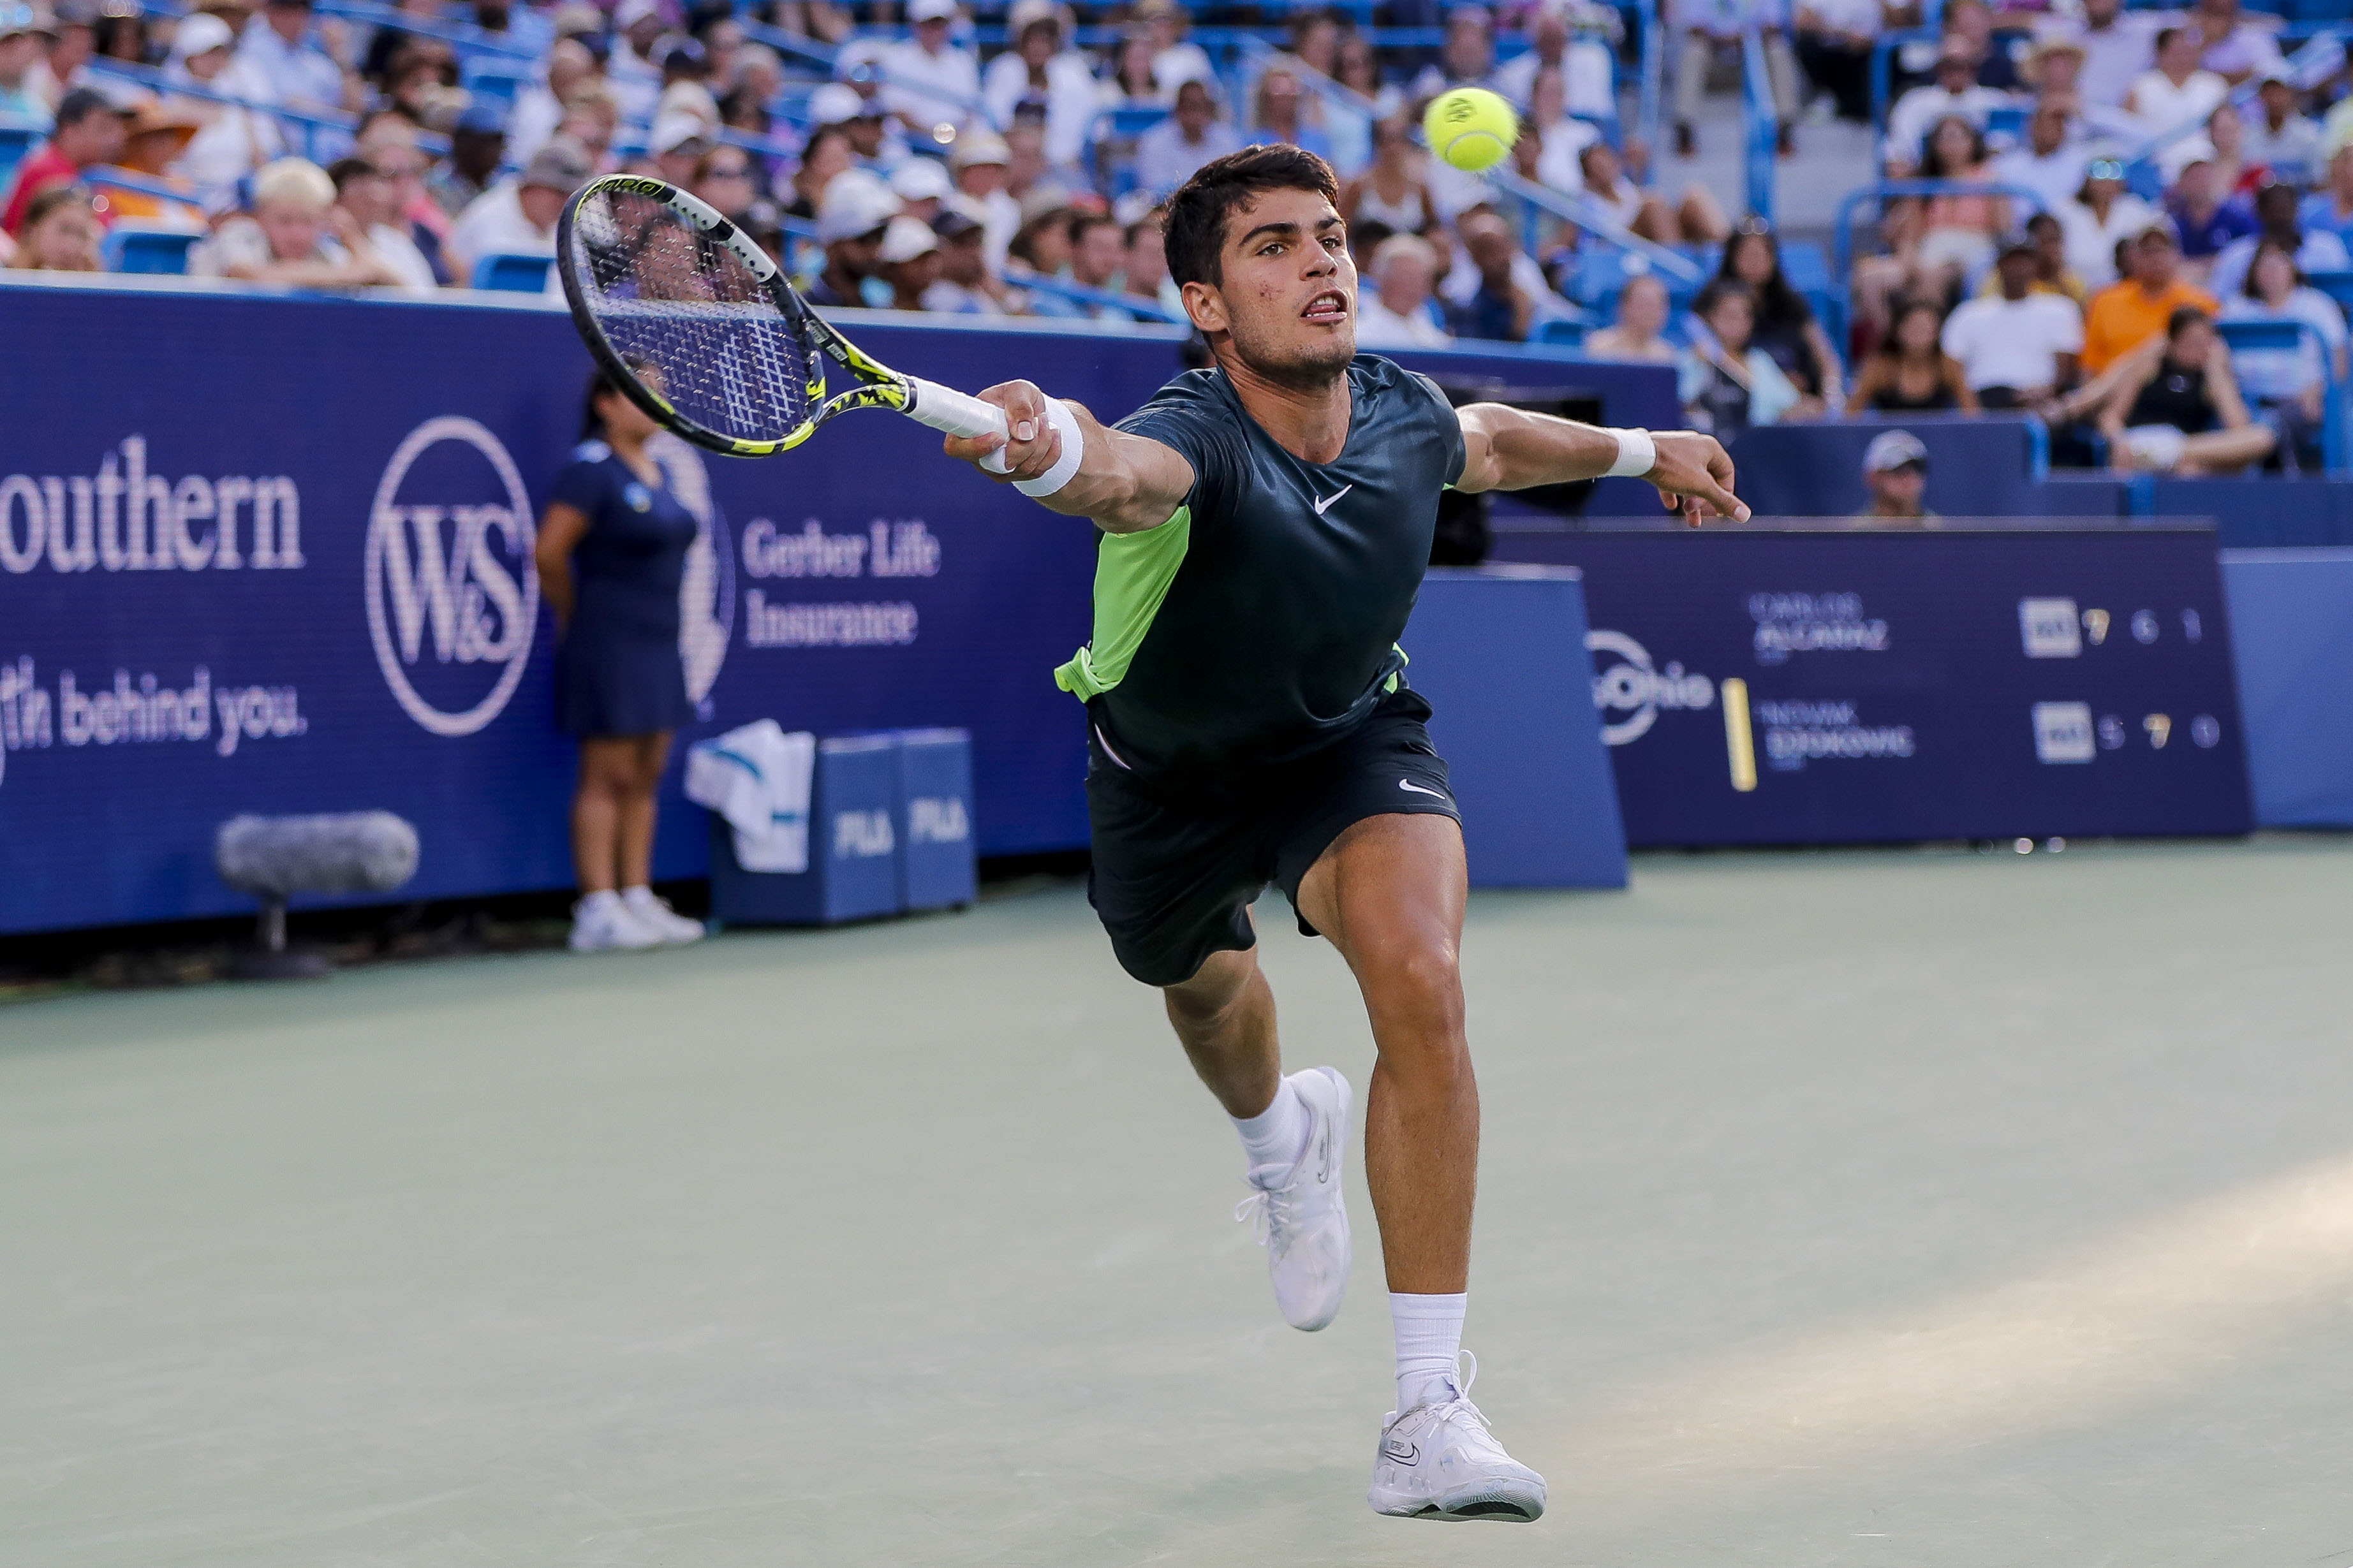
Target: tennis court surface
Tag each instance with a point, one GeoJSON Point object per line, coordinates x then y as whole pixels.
{"type": "Point", "coordinates": [1901, 1208]}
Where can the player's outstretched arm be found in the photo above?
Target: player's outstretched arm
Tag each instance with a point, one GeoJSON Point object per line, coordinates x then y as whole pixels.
{"type": "Point", "coordinates": [1126, 483]}
{"type": "Point", "coordinates": [1512, 450]}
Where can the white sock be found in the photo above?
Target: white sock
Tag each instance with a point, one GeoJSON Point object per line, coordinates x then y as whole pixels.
{"type": "Point", "coordinates": [1429, 1341]}
{"type": "Point", "coordinates": [1276, 1137]}
{"type": "Point", "coordinates": [639, 897]}
{"type": "Point", "coordinates": [597, 901]}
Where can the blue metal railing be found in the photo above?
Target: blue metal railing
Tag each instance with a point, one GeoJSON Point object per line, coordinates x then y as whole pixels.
{"type": "Point", "coordinates": [1589, 215]}
{"type": "Point", "coordinates": [1760, 123]}
{"type": "Point", "coordinates": [462, 35]}
{"type": "Point", "coordinates": [309, 125]}
{"type": "Point", "coordinates": [2272, 336]}
{"type": "Point", "coordinates": [1079, 294]}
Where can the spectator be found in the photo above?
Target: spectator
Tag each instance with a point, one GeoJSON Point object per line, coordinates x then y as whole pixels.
{"type": "Point", "coordinates": [851, 224]}
{"type": "Point", "coordinates": [612, 556]}
{"type": "Point", "coordinates": [1726, 383]}
{"type": "Point", "coordinates": [2289, 384]}
{"type": "Point", "coordinates": [539, 108]}
{"type": "Point", "coordinates": [373, 204]}
{"type": "Point", "coordinates": [1895, 473]}
{"type": "Point", "coordinates": [296, 235]}
{"type": "Point", "coordinates": [1959, 241]}
{"type": "Point", "coordinates": [929, 80]}
{"type": "Point", "coordinates": [1549, 137]}
{"type": "Point", "coordinates": [908, 261]}
{"type": "Point", "coordinates": [1785, 325]}
{"type": "Point", "coordinates": [677, 142]}
{"type": "Point", "coordinates": [1467, 57]}
{"type": "Point", "coordinates": [1499, 306]}
{"type": "Point", "coordinates": [60, 233]}
{"type": "Point", "coordinates": [1360, 72]}
{"type": "Point", "coordinates": [1720, 22]}
{"type": "Point", "coordinates": [825, 157]}
{"type": "Point", "coordinates": [477, 145]}
{"type": "Point", "coordinates": [230, 143]}
{"type": "Point", "coordinates": [1096, 249]}
{"type": "Point", "coordinates": [920, 185]}
{"type": "Point", "coordinates": [1131, 84]}
{"type": "Point", "coordinates": [388, 141]}
{"type": "Point", "coordinates": [1166, 155]}
{"type": "Point", "coordinates": [978, 165]}
{"type": "Point", "coordinates": [2017, 347]}
{"type": "Point", "coordinates": [967, 286]}
{"type": "Point", "coordinates": [2277, 209]}
{"type": "Point", "coordinates": [1909, 372]}
{"type": "Point", "coordinates": [2052, 273]}
{"type": "Point", "coordinates": [517, 216]}
{"type": "Point", "coordinates": [73, 42]}
{"type": "Point", "coordinates": [88, 134]}
{"type": "Point", "coordinates": [2200, 215]}
{"type": "Point", "coordinates": [23, 33]}
{"type": "Point", "coordinates": [1697, 221]}
{"type": "Point", "coordinates": [1145, 275]}
{"type": "Point", "coordinates": [2102, 213]}
{"type": "Point", "coordinates": [2117, 47]}
{"type": "Point", "coordinates": [278, 63]}
{"type": "Point", "coordinates": [2180, 412]}
{"type": "Point", "coordinates": [2053, 67]}
{"type": "Point", "coordinates": [2176, 91]}
{"type": "Point", "coordinates": [1637, 333]}
{"type": "Point", "coordinates": [2135, 310]}
{"type": "Point", "coordinates": [2332, 209]}
{"type": "Point", "coordinates": [1954, 91]}
{"type": "Point", "coordinates": [1396, 312]}
{"type": "Point", "coordinates": [1584, 70]}
{"type": "Point", "coordinates": [1834, 43]}
{"type": "Point", "coordinates": [725, 178]}
{"type": "Point", "coordinates": [1041, 68]}
{"type": "Point", "coordinates": [1971, 22]}
{"type": "Point", "coordinates": [1277, 111]}
{"type": "Point", "coordinates": [686, 89]}
{"type": "Point", "coordinates": [153, 137]}
{"type": "Point", "coordinates": [2048, 163]}
{"type": "Point", "coordinates": [1391, 190]}
{"type": "Point", "coordinates": [1173, 61]}
{"type": "Point", "coordinates": [2284, 141]}
{"type": "Point", "coordinates": [2232, 48]}
{"type": "Point", "coordinates": [631, 68]}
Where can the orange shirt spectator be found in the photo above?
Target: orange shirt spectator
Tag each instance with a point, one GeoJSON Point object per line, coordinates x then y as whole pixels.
{"type": "Point", "coordinates": [2129, 312]}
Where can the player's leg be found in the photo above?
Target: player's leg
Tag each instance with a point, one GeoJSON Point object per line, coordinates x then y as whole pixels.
{"type": "Point", "coordinates": [1224, 1017]}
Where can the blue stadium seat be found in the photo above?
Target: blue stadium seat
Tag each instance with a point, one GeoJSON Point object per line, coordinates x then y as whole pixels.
{"type": "Point", "coordinates": [17, 138]}
{"type": "Point", "coordinates": [501, 79]}
{"type": "Point", "coordinates": [156, 251]}
{"type": "Point", "coordinates": [1602, 270]}
{"type": "Point", "coordinates": [1560, 332]}
{"type": "Point", "coordinates": [2338, 285]}
{"type": "Point", "coordinates": [510, 274]}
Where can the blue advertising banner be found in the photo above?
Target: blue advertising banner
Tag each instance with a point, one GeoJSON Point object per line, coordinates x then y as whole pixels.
{"type": "Point", "coordinates": [1788, 688]}
{"type": "Point", "coordinates": [263, 552]}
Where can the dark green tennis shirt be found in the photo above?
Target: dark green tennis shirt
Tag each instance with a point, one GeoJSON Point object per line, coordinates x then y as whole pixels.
{"type": "Point", "coordinates": [1259, 622]}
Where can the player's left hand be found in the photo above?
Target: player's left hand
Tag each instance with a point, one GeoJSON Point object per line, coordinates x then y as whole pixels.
{"type": "Point", "coordinates": [1694, 475]}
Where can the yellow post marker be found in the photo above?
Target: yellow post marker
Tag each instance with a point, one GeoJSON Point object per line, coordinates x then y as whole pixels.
{"type": "Point", "coordinates": [1738, 742]}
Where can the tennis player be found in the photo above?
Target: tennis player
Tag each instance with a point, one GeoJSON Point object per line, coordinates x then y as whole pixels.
{"type": "Point", "coordinates": [1265, 526]}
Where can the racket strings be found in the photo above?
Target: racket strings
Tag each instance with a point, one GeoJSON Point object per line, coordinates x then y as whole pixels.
{"type": "Point", "coordinates": [695, 323]}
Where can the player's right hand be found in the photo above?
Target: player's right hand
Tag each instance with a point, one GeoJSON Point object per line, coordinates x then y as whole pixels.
{"type": "Point", "coordinates": [1035, 444]}
{"type": "Point", "coordinates": [1693, 474]}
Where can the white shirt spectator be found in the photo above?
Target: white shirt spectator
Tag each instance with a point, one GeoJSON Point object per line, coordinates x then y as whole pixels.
{"type": "Point", "coordinates": [1072, 97]}
{"type": "Point", "coordinates": [2292, 153]}
{"type": "Point", "coordinates": [493, 225]}
{"type": "Point", "coordinates": [2055, 177]}
{"type": "Point", "coordinates": [268, 70]}
{"type": "Point", "coordinates": [2091, 245]}
{"type": "Point", "coordinates": [2113, 55]}
{"type": "Point", "coordinates": [1178, 64]}
{"type": "Point", "coordinates": [1379, 327]}
{"type": "Point", "coordinates": [2245, 48]}
{"type": "Point", "coordinates": [2323, 250]}
{"type": "Point", "coordinates": [1917, 111]}
{"type": "Point", "coordinates": [1164, 160]}
{"type": "Point", "coordinates": [1563, 141]}
{"type": "Point", "coordinates": [930, 89]}
{"type": "Point", "coordinates": [2162, 106]}
{"type": "Point", "coordinates": [400, 253]}
{"type": "Point", "coordinates": [2013, 342]}
{"type": "Point", "coordinates": [2276, 374]}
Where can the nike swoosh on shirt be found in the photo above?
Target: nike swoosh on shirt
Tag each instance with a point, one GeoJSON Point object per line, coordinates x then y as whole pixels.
{"type": "Point", "coordinates": [1409, 783]}
{"type": "Point", "coordinates": [1321, 502]}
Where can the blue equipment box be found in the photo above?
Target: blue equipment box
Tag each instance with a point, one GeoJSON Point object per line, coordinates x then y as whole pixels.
{"type": "Point", "coordinates": [939, 856]}
{"type": "Point", "coordinates": [854, 846]}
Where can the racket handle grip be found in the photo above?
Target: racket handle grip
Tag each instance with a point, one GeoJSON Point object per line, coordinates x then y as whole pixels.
{"type": "Point", "coordinates": [945, 408]}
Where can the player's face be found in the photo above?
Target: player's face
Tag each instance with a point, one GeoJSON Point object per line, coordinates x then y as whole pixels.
{"type": "Point", "coordinates": [1289, 295]}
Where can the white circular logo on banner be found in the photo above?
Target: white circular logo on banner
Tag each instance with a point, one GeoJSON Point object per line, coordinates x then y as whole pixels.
{"type": "Point", "coordinates": [452, 592]}
{"type": "Point", "coordinates": [1632, 687]}
{"type": "Point", "coordinates": [706, 594]}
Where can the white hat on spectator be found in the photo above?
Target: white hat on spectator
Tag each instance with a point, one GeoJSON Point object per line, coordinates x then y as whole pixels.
{"type": "Point", "coordinates": [908, 238]}
{"type": "Point", "coordinates": [1028, 13]}
{"type": "Point", "coordinates": [978, 147]}
{"type": "Point", "coordinates": [855, 203]}
{"type": "Point", "coordinates": [920, 180]}
{"type": "Point", "coordinates": [672, 132]}
{"type": "Point", "coordinates": [18, 18]}
{"type": "Point", "coordinates": [2182, 154]}
{"type": "Point", "coordinates": [200, 34]}
{"type": "Point", "coordinates": [835, 102]}
{"type": "Point", "coordinates": [1892, 449]}
{"type": "Point", "coordinates": [629, 13]}
{"type": "Point", "coordinates": [931, 10]}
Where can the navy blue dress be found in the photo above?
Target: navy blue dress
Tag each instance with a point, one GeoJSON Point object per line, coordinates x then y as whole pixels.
{"type": "Point", "coordinates": [618, 670]}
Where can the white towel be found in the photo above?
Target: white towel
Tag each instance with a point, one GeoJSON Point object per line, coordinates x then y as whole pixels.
{"type": "Point", "coordinates": [757, 777]}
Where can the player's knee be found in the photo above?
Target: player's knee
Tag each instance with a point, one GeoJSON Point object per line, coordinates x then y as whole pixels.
{"type": "Point", "coordinates": [1418, 983]}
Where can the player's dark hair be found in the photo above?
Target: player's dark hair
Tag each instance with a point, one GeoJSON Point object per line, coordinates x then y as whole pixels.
{"type": "Point", "coordinates": [1198, 211]}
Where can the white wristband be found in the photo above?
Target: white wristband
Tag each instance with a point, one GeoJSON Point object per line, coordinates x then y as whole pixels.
{"type": "Point", "coordinates": [1066, 467]}
{"type": "Point", "coordinates": [1637, 455]}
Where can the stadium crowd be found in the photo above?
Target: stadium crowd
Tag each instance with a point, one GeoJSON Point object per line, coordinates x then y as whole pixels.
{"type": "Point", "coordinates": [914, 170]}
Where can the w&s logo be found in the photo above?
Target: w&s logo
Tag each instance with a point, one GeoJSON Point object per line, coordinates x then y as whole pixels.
{"type": "Point", "coordinates": [452, 595]}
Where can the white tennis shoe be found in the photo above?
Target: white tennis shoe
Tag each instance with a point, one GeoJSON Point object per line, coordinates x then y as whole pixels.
{"type": "Point", "coordinates": [1303, 1223]}
{"type": "Point", "coordinates": [1439, 1460]}
{"type": "Point", "coordinates": [601, 922]}
{"type": "Point", "coordinates": [656, 915]}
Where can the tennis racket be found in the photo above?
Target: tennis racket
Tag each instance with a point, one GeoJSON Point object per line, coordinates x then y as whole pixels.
{"type": "Point", "coordinates": [703, 331]}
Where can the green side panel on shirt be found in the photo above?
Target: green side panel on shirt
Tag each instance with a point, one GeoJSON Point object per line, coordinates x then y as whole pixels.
{"type": "Point", "coordinates": [1132, 571]}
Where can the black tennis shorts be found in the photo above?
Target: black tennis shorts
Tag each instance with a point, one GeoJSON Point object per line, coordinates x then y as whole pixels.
{"type": "Point", "coordinates": [1174, 873]}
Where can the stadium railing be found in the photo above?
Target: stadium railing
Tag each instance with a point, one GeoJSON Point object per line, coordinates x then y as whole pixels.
{"type": "Point", "coordinates": [1760, 123]}
{"type": "Point", "coordinates": [2271, 336]}
{"type": "Point", "coordinates": [316, 130]}
{"type": "Point", "coordinates": [1079, 294]}
{"type": "Point", "coordinates": [461, 36]}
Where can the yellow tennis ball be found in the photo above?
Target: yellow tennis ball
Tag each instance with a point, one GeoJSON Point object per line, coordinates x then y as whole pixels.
{"type": "Point", "coordinates": [1471, 128]}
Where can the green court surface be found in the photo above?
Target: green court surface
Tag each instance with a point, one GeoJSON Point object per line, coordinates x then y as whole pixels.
{"type": "Point", "coordinates": [1836, 1209]}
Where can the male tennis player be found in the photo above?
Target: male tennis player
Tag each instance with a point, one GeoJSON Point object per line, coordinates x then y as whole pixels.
{"type": "Point", "coordinates": [1265, 527]}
